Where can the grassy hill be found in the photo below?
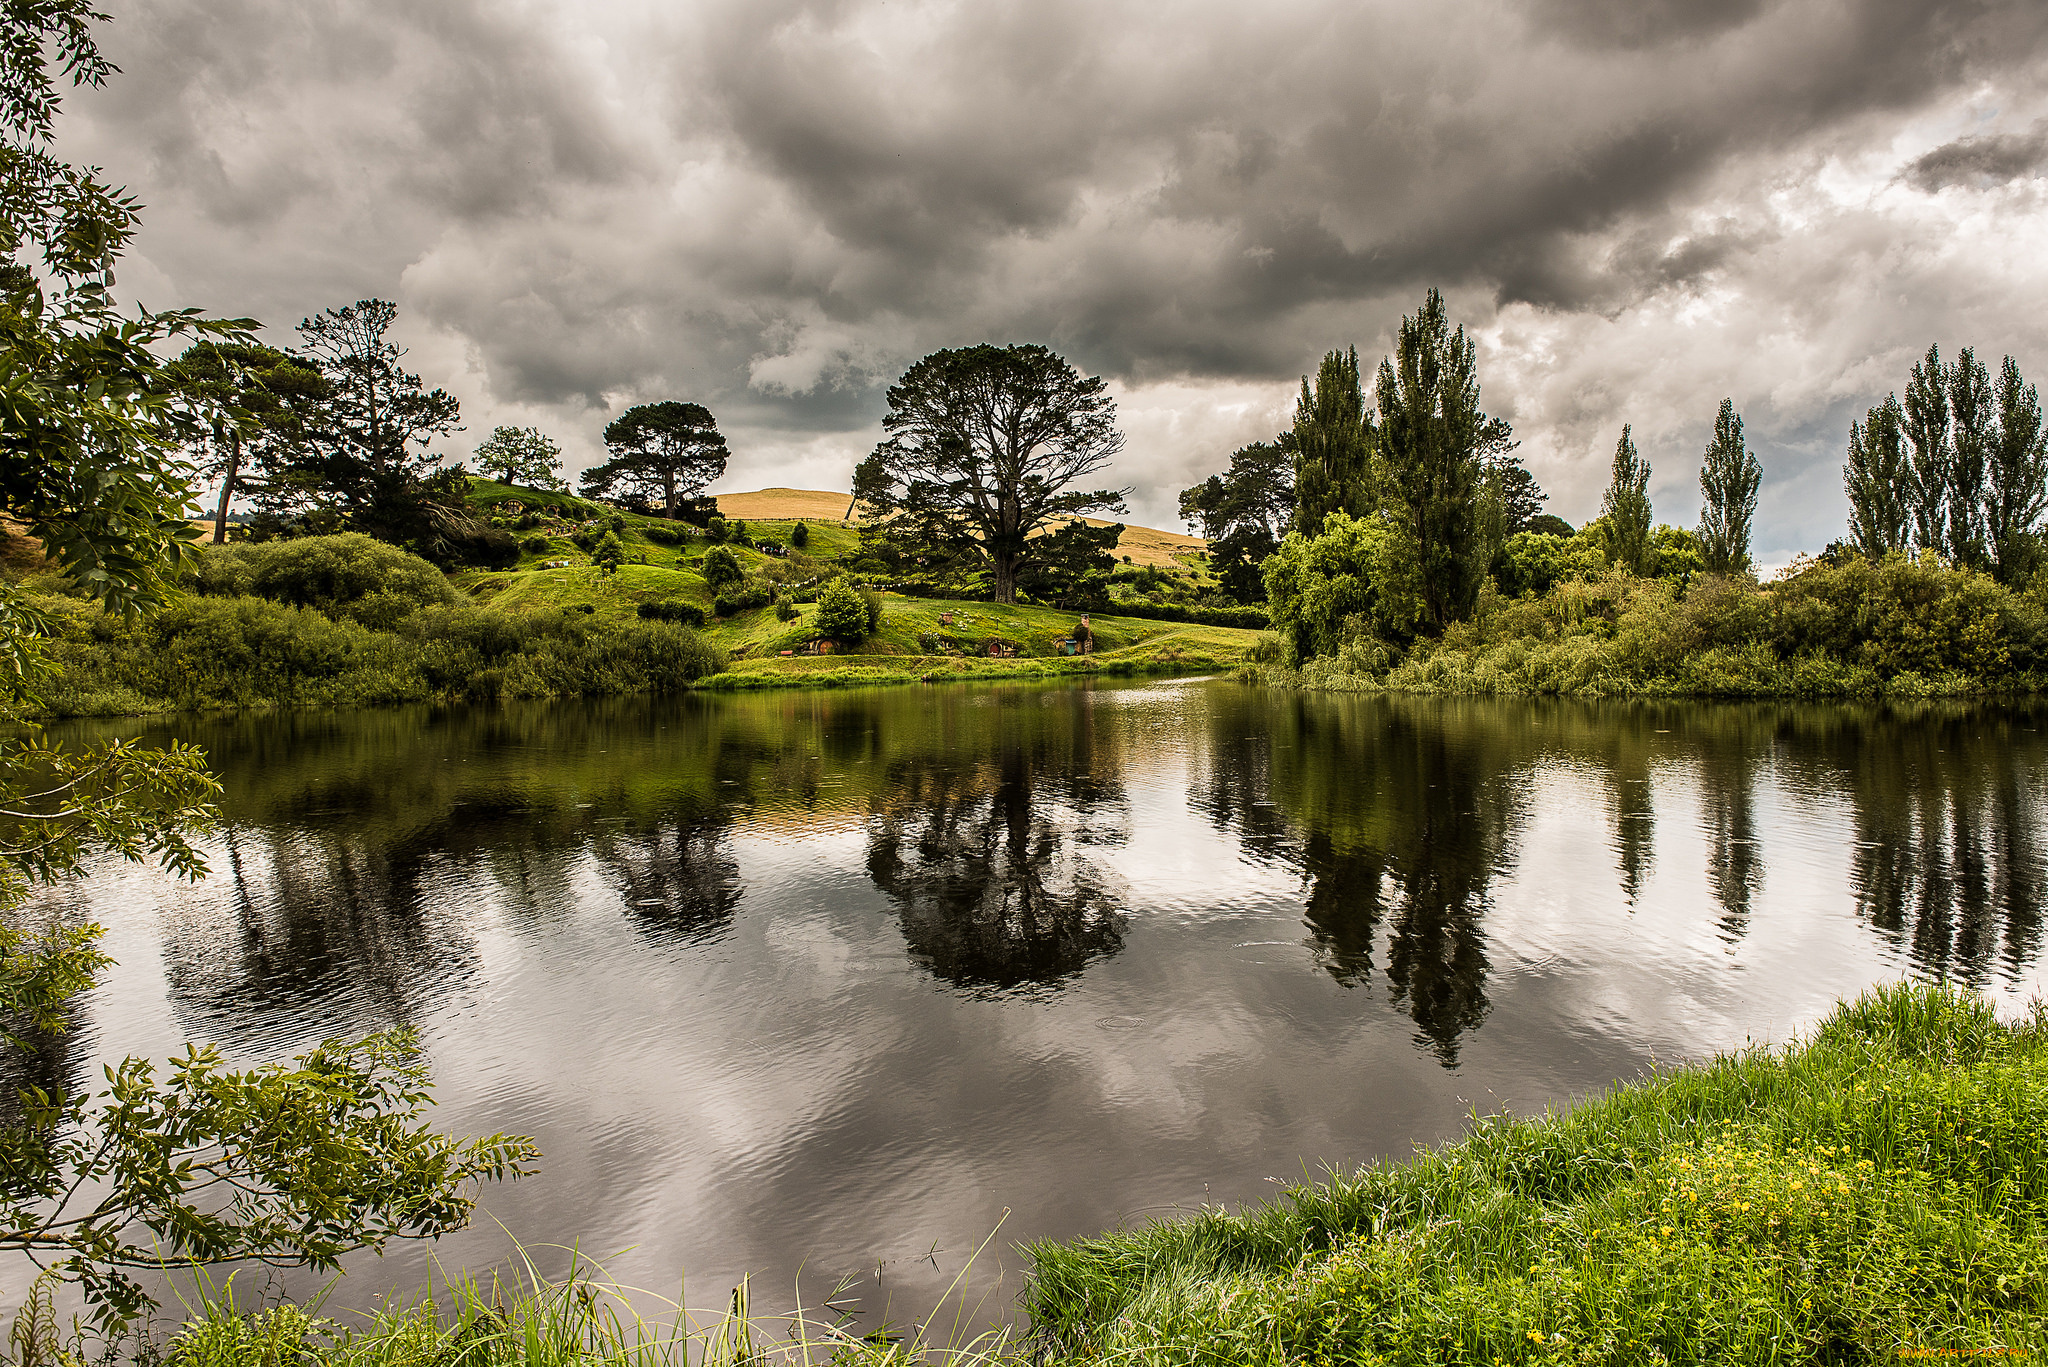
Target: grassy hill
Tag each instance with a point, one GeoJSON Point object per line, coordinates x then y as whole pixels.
{"type": "Point", "coordinates": [666, 560]}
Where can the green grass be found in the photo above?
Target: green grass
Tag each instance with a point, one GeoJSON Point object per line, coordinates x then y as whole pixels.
{"type": "Point", "coordinates": [1878, 1190]}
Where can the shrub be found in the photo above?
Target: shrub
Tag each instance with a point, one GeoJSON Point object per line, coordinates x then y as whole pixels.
{"type": "Point", "coordinates": [720, 568]}
{"type": "Point", "coordinates": [716, 526]}
{"type": "Point", "coordinates": [871, 602]}
{"type": "Point", "coordinates": [332, 573]}
{"type": "Point", "coordinates": [842, 613]}
{"type": "Point", "coordinates": [785, 608]}
{"type": "Point", "coordinates": [662, 536]}
{"type": "Point", "coordinates": [608, 552]}
{"type": "Point", "coordinates": [536, 545]}
{"type": "Point", "coordinates": [672, 610]}
{"type": "Point", "coordinates": [800, 535]}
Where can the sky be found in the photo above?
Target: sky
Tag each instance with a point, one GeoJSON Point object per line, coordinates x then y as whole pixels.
{"type": "Point", "coordinates": [773, 207]}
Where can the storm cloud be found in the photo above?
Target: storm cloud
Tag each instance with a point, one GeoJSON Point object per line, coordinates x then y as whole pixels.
{"type": "Point", "coordinates": [774, 206]}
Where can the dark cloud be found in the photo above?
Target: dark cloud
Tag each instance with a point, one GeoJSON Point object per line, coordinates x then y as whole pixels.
{"type": "Point", "coordinates": [774, 205]}
{"type": "Point", "coordinates": [1981, 162]}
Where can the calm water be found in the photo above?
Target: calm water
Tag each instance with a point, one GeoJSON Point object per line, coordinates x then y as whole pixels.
{"type": "Point", "coordinates": [833, 980]}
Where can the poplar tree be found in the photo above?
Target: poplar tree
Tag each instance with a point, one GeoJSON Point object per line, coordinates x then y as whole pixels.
{"type": "Point", "coordinates": [1729, 477]}
{"type": "Point", "coordinates": [1971, 414]}
{"type": "Point", "coordinates": [2016, 484]}
{"type": "Point", "coordinates": [1926, 429]}
{"type": "Point", "coordinates": [1430, 431]}
{"type": "Point", "coordinates": [1626, 508]}
{"type": "Point", "coordinates": [1877, 477]}
{"type": "Point", "coordinates": [1333, 442]}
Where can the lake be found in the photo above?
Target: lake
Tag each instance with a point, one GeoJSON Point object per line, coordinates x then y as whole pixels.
{"type": "Point", "coordinates": [832, 980]}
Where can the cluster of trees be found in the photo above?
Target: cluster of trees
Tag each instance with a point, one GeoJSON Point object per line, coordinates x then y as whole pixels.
{"type": "Point", "coordinates": [336, 435]}
{"type": "Point", "coordinates": [1959, 469]}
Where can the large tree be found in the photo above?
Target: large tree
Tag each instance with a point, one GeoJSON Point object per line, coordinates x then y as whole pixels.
{"type": "Point", "coordinates": [266, 399]}
{"type": "Point", "coordinates": [1877, 477]}
{"type": "Point", "coordinates": [1625, 507]}
{"type": "Point", "coordinates": [1729, 476]}
{"type": "Point", "coordinates": [1332, 442]}
{"type": "Point", "coordinates": [365, 454]}
{"type": "Point", "coordinates": [664, 452]}
{"type": "Point", "coordinates": [984, 446]}
{"type": "Point", "coordinates": [521, 455]}
{"type": "Point", "coordinates": [279, 1164]}
{"type": "Point", "coordinates": [1926, 429]}
{"type": "Point", "coordinates": [1432, 440]}
{"type": "Point", "coordinates": [2016, 484]}
{"type": "Point", "coordinates": [1243, 512]}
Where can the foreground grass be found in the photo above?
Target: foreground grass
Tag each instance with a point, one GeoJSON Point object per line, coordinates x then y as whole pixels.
{"type": "Point", "coordinates": [1876, 1193]}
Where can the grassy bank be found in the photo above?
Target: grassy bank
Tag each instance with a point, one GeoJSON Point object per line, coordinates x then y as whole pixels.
{"type": "Point", "coordinates": [1856, 628]}
{"type": "Point", "coordinates": [1877, 1192]}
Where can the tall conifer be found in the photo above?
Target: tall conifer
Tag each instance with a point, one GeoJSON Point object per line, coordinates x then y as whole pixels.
{"type": "Point", "coordinates": [1430, 433]}
{"type": "Point", "coordinates": [1626, 508]}
{"type": "Point", "coordinates": [1729, 477]}
{"type": "Point", "coordinates": [1971, 414]}
{"type": "Point", "coordinates": [2016, 483]}
{"type": "Point", "coordinates": [1877, 477]}
{"type": "Point", "coordinates": [1926, 428]}
{"type": "Point", "coordinates": [1332, 444]}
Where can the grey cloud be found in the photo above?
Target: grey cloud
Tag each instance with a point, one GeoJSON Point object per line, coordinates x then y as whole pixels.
{"type": "Point", "coordinates": [774, 205]}
{"type": "Point", "coordinates": [1981, 162]}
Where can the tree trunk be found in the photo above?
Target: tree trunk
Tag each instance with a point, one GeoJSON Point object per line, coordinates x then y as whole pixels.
{"type": "Point", "coordinates": [668, 488]}
{"type": "Point", "coordinates": [227, 489]}
{"type": "Point", "coordinates": [1006, 576]}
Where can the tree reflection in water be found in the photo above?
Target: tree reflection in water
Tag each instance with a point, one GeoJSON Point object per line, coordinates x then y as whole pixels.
{"type": "Point", "coordinates": [984, 849]}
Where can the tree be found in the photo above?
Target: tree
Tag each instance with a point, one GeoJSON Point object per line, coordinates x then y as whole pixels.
{"type": "Point", "coordinates": [1729, 477]}
{"type": "Point", "coordinates": [1332, 442]}
{"type": "Point", "coordinates": [1926, 429]}
{"type": "Point", "coordinates": [800, 535]}
{"type": "Point", "coordinates": [667, 451]}
{"type": "Point", "coordinates": [2016, 485]}
{"type": "Point", "coordinates": [1071, 565]}
{"type": "Point", "coordinates": [609, 553]}
{"type": "Point", "coordinates": [1242, 513]}
{"type": "Point", "coordinates": [265, 397]}
{"type": "Point", "coordinates": [984, 445]}
{"type": "Point", "coordinates": [284, 1165]}
{"type": "Point", "coordinates": [521, 455]}
{"type": "Point", "coordinates": [1971, 415]}
{"type": "Point", "coordinates": [842, 616]}
{"type": "Point", "coordinates": [366, 450]}
{"type": "Point", "coordinates": [1625, 508]}
{"type": "Point", "coordinates": [1430, 432]}
{"type": "Point", "coordinates": [1877, 477]}
{"type": "Point", "coordinates": [1521, 498]}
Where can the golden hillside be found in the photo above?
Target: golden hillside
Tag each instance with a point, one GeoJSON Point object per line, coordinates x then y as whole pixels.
{"type": "Point", "coordinates": [1144, 545]}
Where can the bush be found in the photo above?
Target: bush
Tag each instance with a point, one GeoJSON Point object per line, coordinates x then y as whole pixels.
{"type": "Point", "coordinates": [800, 535]}
{"type": "Point", "coordinates": [785, 608]}
{"type": "Point", "coordinates": [672, 610]}
{"type": "Point", "coordinates": [662, 536]}
{"type": "Point", "coordinates": [349, 575]}
{"type": "Point", "coordinates": [720, 568]}
{"type": "Point", "coordinates": [536, 545]}
{"type": "Point", "coordinates": [842, 612]}
{"type": "Point", "coordinates": [608, 552]}
{"type": "Point", "coordinates": [716, 526]}
{"type": "Point", "coordinates": [871, 602]}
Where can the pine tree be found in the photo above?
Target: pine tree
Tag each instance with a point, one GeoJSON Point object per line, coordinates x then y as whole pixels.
{"type": "Point", "coordinates": [1970, 418]}
{"type": "Point", "coordinates": [1429, 439]}
{"type": "Point", "coordinates": [1729, 477]}
{"type": "Point", "coordinates": [2016, 484]}
{"type": "Point", "coordinates": [1926, 428]}
{"type": "Point", "coordinates": [1332, 443]}
{"type": "Point", "coordinates": [1878, 478]}
{"type": "Point", "coordinates": [1626, 508]}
